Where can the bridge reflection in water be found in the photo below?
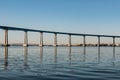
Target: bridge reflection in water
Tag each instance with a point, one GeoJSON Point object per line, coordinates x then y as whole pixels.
{"type": "Point", "coordinates": [5, 57]}
{"type": "Point", "coordinates": [84, 58]}
{"type": "Point", "coordinates": [25, 56]}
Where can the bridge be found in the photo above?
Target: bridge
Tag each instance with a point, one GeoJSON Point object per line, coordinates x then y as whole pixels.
{"type": "Point", "coordinates": [25, 30]}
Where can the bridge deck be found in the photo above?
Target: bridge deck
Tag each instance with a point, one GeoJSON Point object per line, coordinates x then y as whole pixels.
{"type": "Point", "coordinates": [33, 30]}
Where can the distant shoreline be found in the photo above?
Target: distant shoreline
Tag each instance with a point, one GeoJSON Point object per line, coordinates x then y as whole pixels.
{"type": "Point", "coordinates": [64, 45]}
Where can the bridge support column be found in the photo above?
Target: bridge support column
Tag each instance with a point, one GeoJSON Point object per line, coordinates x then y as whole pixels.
{"type": "Point", "coordinates": [84, 41]}
{"type": "Point", "coordinates": [55, 40]}
{"type": "Point", "coordinates": [25, 39]}
{"type": "Point", "coordinates": [98, 41]}
{"type": "Point", "coordinates": [41, 39]}
{"type": "Point", "coordinates": [6, 38]}
{"type": "Point", "coordinates": [69, 44]}
{"type": "Point", "coordinates": [113, 41]}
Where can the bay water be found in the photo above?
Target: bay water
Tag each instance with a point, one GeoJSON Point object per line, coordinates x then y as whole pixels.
{"type": "Point", "coordinates": [59, 63]}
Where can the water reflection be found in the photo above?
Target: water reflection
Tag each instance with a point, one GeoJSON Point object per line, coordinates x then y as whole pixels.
{"type": "Point", "coordinates": [55, 51]}
{"type": "Point", "coordinates": [25, 56]}
{"type": "Point", "coordinates": [5, 57]}
{"type": "Point", "coordinates": [98, 54]}
{"type": "Point", "coordinates": [55, 54]}
{"type": "Point", "coordinates": [84, 54]}
{"type": "Point", "coordinates": [41, 54]}
{"type": "Point", "coordinates": [70, 54]}
{"type": "Point", "coordinates": [113, 56]}
{"type": "Point", "coordinates": [113, 53]}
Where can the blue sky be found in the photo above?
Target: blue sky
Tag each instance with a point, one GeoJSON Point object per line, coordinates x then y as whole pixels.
{"type": "Point", "coordinates": [79, 16]}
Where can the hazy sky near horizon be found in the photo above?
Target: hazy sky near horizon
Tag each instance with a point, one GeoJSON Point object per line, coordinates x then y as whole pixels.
{"type": "Point", "coordinates": [79, 16]}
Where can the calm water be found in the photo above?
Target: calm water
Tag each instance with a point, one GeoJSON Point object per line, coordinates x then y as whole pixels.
{"type": "Point", "coordinates": [59, 63]}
